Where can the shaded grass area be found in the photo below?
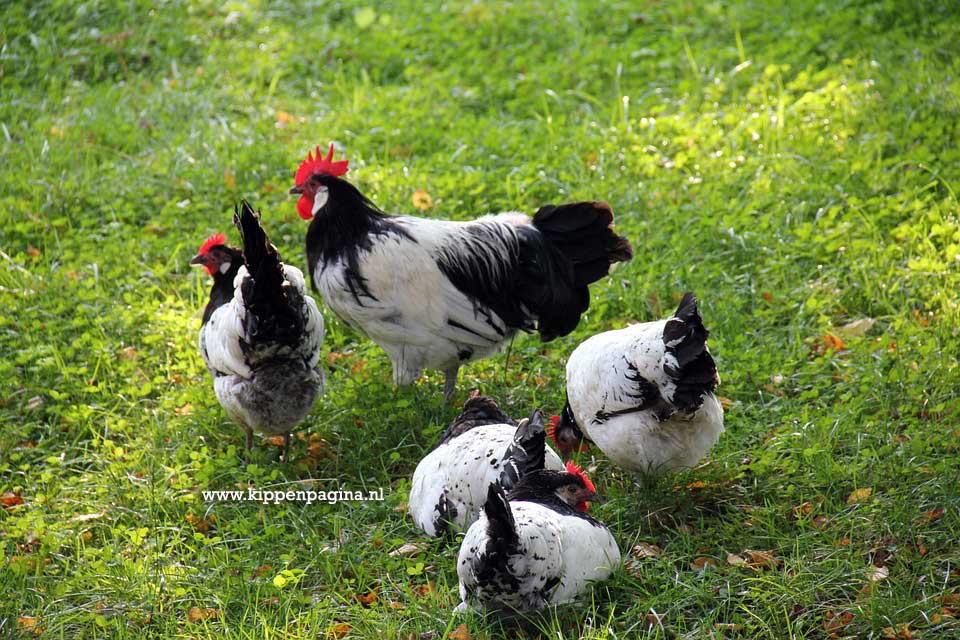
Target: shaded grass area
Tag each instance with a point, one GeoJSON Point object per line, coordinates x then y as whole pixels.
{"type": "Point", "coordinates": [795, 167]}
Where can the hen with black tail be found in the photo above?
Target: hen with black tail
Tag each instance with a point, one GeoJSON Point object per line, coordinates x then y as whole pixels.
{"type": "Point", "coordinates": [261, 333]}
{"type": "Point", "coordinates": [450, 484]}
{"type": "Point", "coordinates": [436, 294]}
{"type": "Point", "coordinates": [536, 549]}
{"type": "Point", "coordinates": [644, 394]}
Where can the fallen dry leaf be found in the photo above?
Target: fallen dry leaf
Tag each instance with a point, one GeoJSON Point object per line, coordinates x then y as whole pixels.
{"type": "Point", "coordinates": [33, 251]}
{"type": "Point", "coordinates": [876, 574]}
{"type": "Point", "coordinates": [654, 619]}
{"type": "Point", "coordinates": [761, 559]}
{"type": "Point", "coordinates": [860, 495]}
{"type": "Point", "coordinates": [86, 517]}
{"type": "Point", "coordinates": [645, 550]}
{"type": "Point", "coordinates": [460, 633]}
{"type": "Point", "coordinates": [199, 524]}
{"type": "Point", "coordinates": [699, 564]}
{"type": "Point", "coordinates": [368, 599]}
{"type": "Point", "coordinates": [27, 623]}
{"type": "Point", "coordinates": [11, 499]}
{"type": "Point", "coordinates": [898, 632]}
{"type": "Point", "coordinates": [339, 630]}
{"type": "Point", "coordinates": [185, 410]}
{"type": "Point", "coordinates": [423, 589]}
{"type": "Point", "coordinates": [833, 622]}
{"type": "Point", "coordinates": [421, 200]}
{"type": "Point", "coordinates": [725, 403]}
{"type": "Point", "coordinates": [408, 550]}
{"type": "Point", "coordinates": [933, 515]}
{"type": "Point", "coordinates": [284, 118]}
{"type": "Point", "coordinates": [196, 614]}
{"type": "Point", "coordinates": [735, 559]}
{"type": "Point", "coordinates": [276, 441]}
{"type": "Point", "coordinates": [393, 604]}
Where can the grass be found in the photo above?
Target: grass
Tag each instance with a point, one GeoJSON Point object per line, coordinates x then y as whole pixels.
{"type": "Point", "coordinates": [796, 167]}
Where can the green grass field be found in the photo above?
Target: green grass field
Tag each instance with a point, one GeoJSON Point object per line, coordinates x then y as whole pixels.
{"type": "Point", "coordinates": [796, 167]}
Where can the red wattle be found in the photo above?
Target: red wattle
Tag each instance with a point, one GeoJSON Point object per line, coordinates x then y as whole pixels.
{"type": "Point", "coordinates": [305, 207]}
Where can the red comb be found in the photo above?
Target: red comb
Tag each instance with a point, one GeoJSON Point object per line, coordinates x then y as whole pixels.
{"type": "Point", "coordinates": [577, 471]}
{"type": "Point", "coordinates": [475, 393]}
{"type": "Point", "coordinates": [212, 241]}
{"type": "Point", "coordinates": [552, 429]}
{"type": "Point", "coordinates": [314, 165]}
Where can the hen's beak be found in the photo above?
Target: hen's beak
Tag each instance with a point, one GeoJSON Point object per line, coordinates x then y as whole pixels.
{"type": "Point", "coordinates": [295, 191]}
{"type": "Point", "coordinates": [591, 496]}
{"type": "Point", "coordinates": [199, 259]}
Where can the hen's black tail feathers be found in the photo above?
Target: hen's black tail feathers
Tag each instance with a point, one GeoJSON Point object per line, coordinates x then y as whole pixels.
{"type": "Point", "coordinates": [501, 528]}
{"type": "Point", "coordinates": [581, 245]}
{"type": "Point", "coordinates": [273, 315]}
{"type": "Point", "coordinates": [526, 453]}
{"type": "Point", "coordinates": [691, 365]}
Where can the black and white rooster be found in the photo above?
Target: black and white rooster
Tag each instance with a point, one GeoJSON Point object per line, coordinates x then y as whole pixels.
{"type": "Point", "coordinates": [261, 332]}
{"type": "Point", "coordinates": [538, 549]}
{"type": "Point", "coordinates": [437, 294]}
{"type": "Point", "coordinates": [482, 445]}
{"type": "Point", "coordinates": [644, 394]}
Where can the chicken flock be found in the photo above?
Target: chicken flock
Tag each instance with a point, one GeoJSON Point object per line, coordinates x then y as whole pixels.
{"type": "Point", "coordinates": [436, 294]}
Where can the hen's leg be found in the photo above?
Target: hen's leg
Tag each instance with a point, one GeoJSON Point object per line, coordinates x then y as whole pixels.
{"type": "Point", "coordinates": [450, 382]}
{"type": "Point", "coordinates": [286, 447]}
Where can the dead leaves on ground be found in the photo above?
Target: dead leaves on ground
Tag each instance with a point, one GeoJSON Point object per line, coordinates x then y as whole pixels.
{"type": "Point", "coordinates": [755, 560]}
{"type": "Point", "coordinates": [197, 614]}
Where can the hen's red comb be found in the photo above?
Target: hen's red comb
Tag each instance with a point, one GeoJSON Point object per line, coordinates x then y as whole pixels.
{"type": "Point", "coordinates": [552, 429]}
{"type": "Point", "coordinates": [314, 165]}
{"type": "Point", "coordinates": [212, 241]}
{"type": "Point", "coordinates": [577, 471]}
{"type": "Point", "coordinates": [475, 393]}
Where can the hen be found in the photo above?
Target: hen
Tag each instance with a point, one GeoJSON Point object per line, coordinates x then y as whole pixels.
{"type": "Point", "coordinates": [644, 394]}
{"type": "Point", "coordinates": [482, 445]}
{"type": "Point", "coordinates": [261, 332]}
{"type": "Point", "coordinates": [538, 549]}
{"type": "Point", "coordinates": [437, 294]}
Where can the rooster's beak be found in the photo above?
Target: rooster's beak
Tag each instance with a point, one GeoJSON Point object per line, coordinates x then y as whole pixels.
{"type": "Point", "coordinates": [592, 497]}
{"type": "Point", "coordinates": [198, 259]}
{"type": "Point", "coordinates": [295, 191]}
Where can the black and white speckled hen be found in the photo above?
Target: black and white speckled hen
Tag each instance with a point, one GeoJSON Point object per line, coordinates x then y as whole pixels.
{"type": "Point", "coordinates": [482, 445]}
{"type": "Point", "coordinates": [538, 549]}
{"type": "Point", "coordinates": [261, 333]}
{"type": "Point", "coordinates": [644, 394]}
{"type": "Point", "coordinates": [436, 293]}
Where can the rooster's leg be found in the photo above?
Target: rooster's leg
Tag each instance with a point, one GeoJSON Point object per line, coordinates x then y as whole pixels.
{"type": "Point", "coordinates": [286, 447]}
{"type": "Point", "coordinates": [450, 382]}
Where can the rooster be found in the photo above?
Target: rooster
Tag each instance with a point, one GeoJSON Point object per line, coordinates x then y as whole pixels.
{"type": "Point", "coordinates": [644, 394]}
{"type": "Point", "coordinates": [261, 332]}
{"type": "Point", "coordinates": [437, 294]}
{"type": "Point", "coordinates": [482, 445]}
{"type": "Point", "coordinates": [537, 549]}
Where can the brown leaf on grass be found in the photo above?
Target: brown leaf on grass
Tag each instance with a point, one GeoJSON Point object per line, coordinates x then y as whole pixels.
{"type": "Point", "coordinates": [408, 550]}
{"type": "Point", "coordinates": [276, 441]}
{"type": "Point", "coordinates": [202, 525]}
{"type": "Point", "coordinates": [11, 499]}
{"type": "Point", "coordinates": [725, 403]}
{"type": "Point", "coordinates": [262, 570]}
{"type": "Point", "coordinates": [229, 180]}
{"type": "Point", "coordinates": [196, 614]}
{"type": "Point", "coordinates": [284, 119]}
{"type": "Point", "coordinates": [801, 510]}
{"type": "Point", "coordinates": [32, 251]}
{"type": "Point", "coordinates": [129, 353]}
{"type": "Point", "coordinates": [898, 632]}
{"type": "Point", "coordinates": [933, 515]}
{"type": "Point", "coordinates": [701, 563]}
{"type": "Point", "coordinates": [460, 633]}
{"type": "Point", "coordinates": [366, 600]}
{"type": "Point", "coordinates": [645, 550]}
{"type": "Point", "coordinates": [860, 495]}
{"type": "Point", "coordinates": [421, 200]}
{"type": "Point", "coordinates": [833, 622]}
{"type": "Point", "coordinates": [735, 559]}
{"type": "Point", "coordinates": [762, 559]}
{"type": "Point", "coordinates": [820, 522]}
{"type": "Point", "coordinates": [86, 517]}
{"type": "Point", "coordinates": [358, 366]}
{"type": "Point", "coordinates": [28, 623]}
{"type": "Point", "coordinates": [766, 296]}
{"type": "Point", "coordinates": [185, 410]}
{"type": "Point", "coordinates": [827, 342]}
{"type": "Point", "coordinates": [423, 590]}
{"type": "Point", "coordinates": [393, 604]}
{"type": "Point", "coordinates": [339, 630]}
{"type": "Point", "coordinates": [654, 619]}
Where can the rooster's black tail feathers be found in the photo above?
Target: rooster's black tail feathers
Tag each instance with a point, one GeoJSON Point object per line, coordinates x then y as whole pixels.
{"type": "Point", "coordinates": [576, 247]}
{"type": "Point", "coordinates": [272, 314]}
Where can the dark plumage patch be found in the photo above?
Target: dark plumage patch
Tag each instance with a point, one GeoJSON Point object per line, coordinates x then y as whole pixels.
{"type": "Point", "coordinates": [222, 290]}
{"type": "Point", "coordinates": [685, 337]}
{"type": "Point", "coordinates": [541, 486]}
{"type": "Point", "coordinates": [446, 516]}
{"type": "Point", "coordinates": [476, 412]}
{"type": "Point", "coordinates": [526, 453]}
{"type": "Point", "coordinates": [491, 566]}
{"type": "Point", "coordinates": [647, 395]}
